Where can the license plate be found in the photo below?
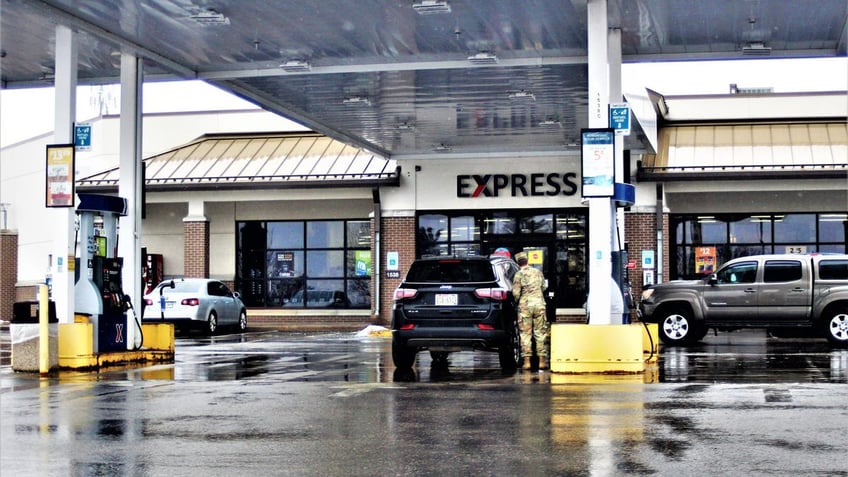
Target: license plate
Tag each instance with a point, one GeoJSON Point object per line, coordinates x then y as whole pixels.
{"type": "Point", "coordinates": [169, 305]}
{"type": "Point", "coordinates": [446, 299]}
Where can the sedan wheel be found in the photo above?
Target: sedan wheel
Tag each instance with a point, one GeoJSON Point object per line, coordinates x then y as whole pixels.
{"type": "Point", "coordinates": [242, 324]}
{"type": "Point", "coordinates": [212, 323]}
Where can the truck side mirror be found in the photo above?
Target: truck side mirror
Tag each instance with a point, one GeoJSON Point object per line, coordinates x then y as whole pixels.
{"type": "Point", "coordinates": [713, 279]}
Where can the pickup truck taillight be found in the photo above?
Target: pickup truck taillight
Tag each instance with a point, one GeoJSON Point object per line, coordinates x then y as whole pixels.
{"type": "Point", "coordinates": [493, 293]}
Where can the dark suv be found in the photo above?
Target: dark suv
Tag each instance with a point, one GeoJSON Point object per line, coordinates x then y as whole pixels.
{"type": "Point", "coordinates": [450, 303]}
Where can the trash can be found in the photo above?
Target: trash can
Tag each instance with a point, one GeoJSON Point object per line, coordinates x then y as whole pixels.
{"type": "Point", "coordinates": [25, 336]}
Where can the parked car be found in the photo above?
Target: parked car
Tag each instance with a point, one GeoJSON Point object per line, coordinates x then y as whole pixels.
{"type": "Point", "coordinates": [775, 292]}
{"type": "Point", "coordinates": [195, 303]}
{"type": "Point", "coordinates": [450, 303]}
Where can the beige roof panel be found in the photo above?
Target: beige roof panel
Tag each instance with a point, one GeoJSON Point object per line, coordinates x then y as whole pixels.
{"type": "Point", "coordinates": [692, 152]}
{"type": "Point", "coordinates": [281, 160]}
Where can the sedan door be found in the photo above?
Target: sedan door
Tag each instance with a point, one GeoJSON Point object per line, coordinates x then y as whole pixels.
{"type": "Point", "coordinates": [223, 302]}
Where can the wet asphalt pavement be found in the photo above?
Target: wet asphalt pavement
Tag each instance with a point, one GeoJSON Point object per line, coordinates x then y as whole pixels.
{"type": "Point", "coordinates": [332, 404]}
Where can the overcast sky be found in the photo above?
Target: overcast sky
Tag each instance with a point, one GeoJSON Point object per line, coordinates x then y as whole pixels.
{"type": "Point", "coordinates": [28, 113]}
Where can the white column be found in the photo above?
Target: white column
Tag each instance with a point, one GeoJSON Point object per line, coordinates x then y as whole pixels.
{"type": "Point", "coordinates": [65, 86]}
{"type": "Point", "coordinates": [196, 211]}
{"type": "Point", "coordinates": [616, 96]}
{"type": "Point", "coordinates": [130, 188]}
{"type": "Point", "coordinates": [600, 223]}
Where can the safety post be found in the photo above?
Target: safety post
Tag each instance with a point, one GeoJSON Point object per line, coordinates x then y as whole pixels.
{"type": "Point", "coordinates": [43, 330]}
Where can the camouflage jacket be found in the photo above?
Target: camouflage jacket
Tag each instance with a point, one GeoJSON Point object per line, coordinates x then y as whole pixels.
{"type": "Point", "coordinates": [527, 286]}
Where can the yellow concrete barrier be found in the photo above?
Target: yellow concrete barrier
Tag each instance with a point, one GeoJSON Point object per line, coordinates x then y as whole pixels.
{"type": "Point", "coordinates": [580, 348]}
{"type": "Point", "coordinates": [76, 346]}
{"type": "Point", "coordinates": [158, 336]}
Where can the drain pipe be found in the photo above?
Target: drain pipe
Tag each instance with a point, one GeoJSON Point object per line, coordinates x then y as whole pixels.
{"type": "Point", "coordinates": [659, 221]}
{"type": "Point", "coordinates": [375, 263]}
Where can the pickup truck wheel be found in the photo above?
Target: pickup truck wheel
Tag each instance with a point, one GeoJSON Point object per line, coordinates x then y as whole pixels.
{"type": "Point", "coordinates": [678, 328]}
{"type": "Point", "coordinates": [402, 356]}
{"type": "Point", "coordinates": [836, 325]}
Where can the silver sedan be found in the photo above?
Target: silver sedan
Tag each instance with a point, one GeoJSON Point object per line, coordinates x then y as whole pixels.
{"type": "Point", "coordinates": [196, 303]}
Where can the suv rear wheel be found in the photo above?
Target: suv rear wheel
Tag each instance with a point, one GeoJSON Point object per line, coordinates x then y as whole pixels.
{"type": "Point", "coordinates": [402, 356]}
{"type": "Point", "coordinates": [510, 354]}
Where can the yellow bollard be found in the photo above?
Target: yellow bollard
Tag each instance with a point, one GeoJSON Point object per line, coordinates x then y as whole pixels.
{"type": "Point", "coordinates": [43, 330]}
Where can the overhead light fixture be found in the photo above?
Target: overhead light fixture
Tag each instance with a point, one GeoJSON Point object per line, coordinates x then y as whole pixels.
{"type": "Point", "coordinates": [210, 17]}
{"type": "Point", "coordinates": [430, 7]}
{"type": "Point", "coordinates": [357, 100]}
{"type": "Point", "coordinates": [522, 94]}
{"type": "Point", "coordinates": [483, 58]}
{"type": "Point", "coordinates": [442, 148]}
{"type": "Point", "coordinates": [756, 49]}
{"type": "Point", "coordinates": [296, 66]}
{"type": "Point", "coordinates": [405, 126]}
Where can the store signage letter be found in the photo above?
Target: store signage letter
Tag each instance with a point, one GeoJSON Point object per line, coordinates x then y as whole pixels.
{"type": "Point", "coordinates": [516, 185]}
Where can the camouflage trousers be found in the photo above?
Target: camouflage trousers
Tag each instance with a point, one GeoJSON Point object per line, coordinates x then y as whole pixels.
{"type": "Point", "coordinates": [533, 324]}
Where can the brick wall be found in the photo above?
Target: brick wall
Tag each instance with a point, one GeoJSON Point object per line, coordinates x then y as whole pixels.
{"type": "Point", "coordinates": [398, 235]}
{"type": "Point", "coordinates": [8, 272]}
{"type": "Point", "coordinates": [196, 249]}
{"type": "Point", "coordinates": [641, 233]}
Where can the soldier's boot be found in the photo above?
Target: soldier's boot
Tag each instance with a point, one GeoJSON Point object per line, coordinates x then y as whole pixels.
{"type": "Point", "coordinates": [543, 362]}
{"type": "Point", "coordinates": [526, 365]}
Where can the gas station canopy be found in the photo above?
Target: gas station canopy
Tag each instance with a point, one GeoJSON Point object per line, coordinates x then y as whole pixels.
{"type": "Point", "coordinates": [408, 78]}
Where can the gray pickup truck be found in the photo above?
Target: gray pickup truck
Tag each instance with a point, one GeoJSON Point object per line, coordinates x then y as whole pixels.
{"type": "Point", "coordinates": [763, 291]}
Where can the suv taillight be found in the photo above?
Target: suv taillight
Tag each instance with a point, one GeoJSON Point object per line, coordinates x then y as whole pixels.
{"type": "Point", "coordinates": [402, 293]}
{"type": "Point", "coordinates": [493, 293]}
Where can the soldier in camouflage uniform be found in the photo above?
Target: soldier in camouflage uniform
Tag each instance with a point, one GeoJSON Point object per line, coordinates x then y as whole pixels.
{"type": "Point", "coordinates": [527, 288]}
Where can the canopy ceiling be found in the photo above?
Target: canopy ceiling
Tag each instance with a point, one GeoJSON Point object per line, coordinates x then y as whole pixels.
{"type": "Point", "coordinates": [408, 78]}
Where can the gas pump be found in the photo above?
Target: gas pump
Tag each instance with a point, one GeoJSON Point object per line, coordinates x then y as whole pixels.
{"type": "Point", "coordinates": [622, 282]}
{"type": "Point", "coordinates": [98, 292]}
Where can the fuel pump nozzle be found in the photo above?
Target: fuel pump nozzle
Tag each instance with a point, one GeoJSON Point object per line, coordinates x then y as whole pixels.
{"type": "Point", "coordinates": [162, 297]}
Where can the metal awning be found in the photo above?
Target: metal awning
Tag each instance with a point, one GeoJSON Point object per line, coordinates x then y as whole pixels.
{"type": "Point", "coordinates": [258, 161]}
{"type": "Point", "coordinates": [472, 79]}
{"type": "Point", "coordinates": [749, 151]}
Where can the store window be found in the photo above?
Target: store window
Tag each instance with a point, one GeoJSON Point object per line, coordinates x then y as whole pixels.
{"type": "Point", "coordinates": [304, 264]}
{"type": "Point", "coordinates": [561, 236]}
{"type": "Point", "coordinates": [705, 241]}
{"type": "Point", "coordinates": [433, 234]}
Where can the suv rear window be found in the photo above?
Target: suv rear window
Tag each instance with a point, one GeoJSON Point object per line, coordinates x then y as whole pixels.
{"type": "Point", "coordinates": [833, 270]}
{"type": "Point", "coordinates": [451, 271]}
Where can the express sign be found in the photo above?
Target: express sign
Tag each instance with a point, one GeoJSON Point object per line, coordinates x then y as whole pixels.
{"type": "Point", "coordinates": [516, 185]}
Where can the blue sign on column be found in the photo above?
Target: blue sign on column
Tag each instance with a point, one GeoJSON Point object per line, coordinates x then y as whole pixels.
{"type": "Point", "coordinates": [619, 118]}
{"type": "Point", "coordinates": [82, 136]}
